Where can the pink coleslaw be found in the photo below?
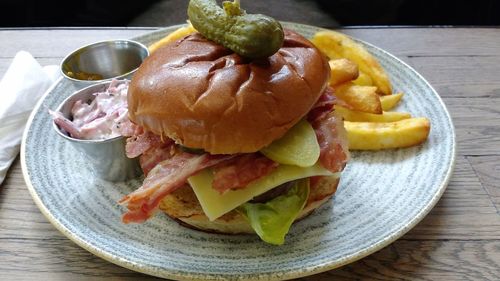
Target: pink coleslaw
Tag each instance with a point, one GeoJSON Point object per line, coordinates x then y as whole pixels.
{"type": "Point", "coordinates": [103, 118]}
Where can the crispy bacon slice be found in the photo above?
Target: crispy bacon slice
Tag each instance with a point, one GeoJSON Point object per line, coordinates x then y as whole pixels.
{"type": "Point", "coordinates": [138, 144]}
{"type": "Point", "coordinates": [240, 171]}
{"type": "Point", "coordinates": [330, 132]}
{"type": "Point", "coordinates": [149, 159]}
{"type": "Point", "coordinates": [151, 148]}
{"type": "Point", "coordinates": [332, 139]}
{"type": "Point", "coordinates": [324, 105]}
{"type": "Point", "coordinates": [163, 179]}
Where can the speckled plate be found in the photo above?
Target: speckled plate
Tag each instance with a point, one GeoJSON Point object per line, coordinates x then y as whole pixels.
{"type": "Point", "coordinates": [382, 195]}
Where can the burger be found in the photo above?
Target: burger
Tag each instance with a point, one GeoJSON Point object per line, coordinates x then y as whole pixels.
{"type": "Point", "coordinates": [230, 144]}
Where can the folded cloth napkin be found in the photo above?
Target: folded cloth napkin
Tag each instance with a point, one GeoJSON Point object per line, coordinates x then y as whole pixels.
{"type": "Point", "coordinates": [20, 88]}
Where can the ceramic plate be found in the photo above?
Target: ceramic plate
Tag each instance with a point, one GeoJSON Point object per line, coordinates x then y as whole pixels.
{"type": "Point", "coordinates": [382, 195]}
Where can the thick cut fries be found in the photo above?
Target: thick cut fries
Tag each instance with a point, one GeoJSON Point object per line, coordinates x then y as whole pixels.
{"type": "Point", "coordinates": [177, 34]}
{"type": "Point", "coordinates": [337, 45]}
{"type": "Point", "coordinates": [390, 101]}
{"type": "Point", "coordinates": [363, 80]}
{"type": "Point", "coordinates": [342, 70]}
{"type": "Point", "coordinates": [356, 116]}
{"type": "Point", "coordinates": [375, 136]}
{"type": "Point", "coordinates": [360, 98]}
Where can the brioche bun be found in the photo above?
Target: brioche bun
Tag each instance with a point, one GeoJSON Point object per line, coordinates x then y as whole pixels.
{"type": "Point", "coordinates": [183, 206]}
{"type": "Point", "coordinates": [203, 95]}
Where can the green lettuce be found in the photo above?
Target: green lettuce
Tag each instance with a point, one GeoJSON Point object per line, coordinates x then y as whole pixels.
{"type": "Point", "coordinates": [272, 220]}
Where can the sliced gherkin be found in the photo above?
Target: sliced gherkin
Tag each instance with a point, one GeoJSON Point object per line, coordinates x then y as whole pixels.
{"type": "Point", "coordinates": [299, 146]}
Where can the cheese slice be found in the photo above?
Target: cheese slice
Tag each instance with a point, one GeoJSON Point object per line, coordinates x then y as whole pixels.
{"type": "Point", "coordinates": [215, 204]}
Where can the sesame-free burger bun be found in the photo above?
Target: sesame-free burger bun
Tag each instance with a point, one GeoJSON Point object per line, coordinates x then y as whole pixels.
{"type": "Point", "coordinates": [203, 95]}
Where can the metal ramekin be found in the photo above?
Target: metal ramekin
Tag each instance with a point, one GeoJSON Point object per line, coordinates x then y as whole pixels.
{"type": "Point", "coordinates": [106, 158]}
{"type": "Point", "coordinates": [112, 59]}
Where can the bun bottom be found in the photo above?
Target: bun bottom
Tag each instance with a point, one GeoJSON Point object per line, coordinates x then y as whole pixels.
{"type": "Point", "coordinates": [182, 205]}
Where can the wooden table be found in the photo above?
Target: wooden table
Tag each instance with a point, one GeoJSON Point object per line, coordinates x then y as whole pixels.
{"type": "Point", "coordinates": [458, 240]}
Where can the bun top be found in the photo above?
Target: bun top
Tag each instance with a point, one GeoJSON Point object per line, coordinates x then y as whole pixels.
{"type": "Point", "coordinates": [203, 95]}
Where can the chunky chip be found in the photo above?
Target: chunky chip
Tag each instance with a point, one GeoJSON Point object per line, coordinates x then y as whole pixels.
{"type": "Point", "coordinates": [375, 136]}
{"type": "Point", "coordinates": [359, 98]}
{"type": "Point", "coordinates": [390, 101]}
{"type": "Point", "coordinates": [337, 45]}
{"type": "Point", "coordinates": [342, 70]}
{"type": "Point", "coordinates": [356, 116]}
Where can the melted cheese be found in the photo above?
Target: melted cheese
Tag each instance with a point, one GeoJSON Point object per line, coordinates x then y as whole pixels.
{"type": "Point", "coordinates": [215, 204]}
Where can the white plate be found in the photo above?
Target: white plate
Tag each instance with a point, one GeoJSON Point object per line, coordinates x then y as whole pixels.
{"type": "Point", "coordinates": [382, 195]}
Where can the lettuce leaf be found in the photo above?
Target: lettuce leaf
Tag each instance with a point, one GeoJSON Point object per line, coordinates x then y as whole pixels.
{"type": "Point", "coordinates": [272, 220]}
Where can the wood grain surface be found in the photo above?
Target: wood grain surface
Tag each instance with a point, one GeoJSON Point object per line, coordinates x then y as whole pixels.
{"type": "Point", "coordinates": [458, 240]}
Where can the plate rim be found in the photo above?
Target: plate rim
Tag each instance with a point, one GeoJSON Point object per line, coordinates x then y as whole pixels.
{"type": "Point", "coordinates": [307, 271]}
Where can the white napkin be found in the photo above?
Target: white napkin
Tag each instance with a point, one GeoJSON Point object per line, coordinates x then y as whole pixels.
{"type": "Point", "coordinates": [20, 88]}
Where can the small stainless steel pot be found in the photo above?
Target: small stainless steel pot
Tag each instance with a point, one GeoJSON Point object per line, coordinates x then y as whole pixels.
{"type": "Point", "coordinates": [103, 61]}
{"type": "Point", "coordinates": [106, 157]}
